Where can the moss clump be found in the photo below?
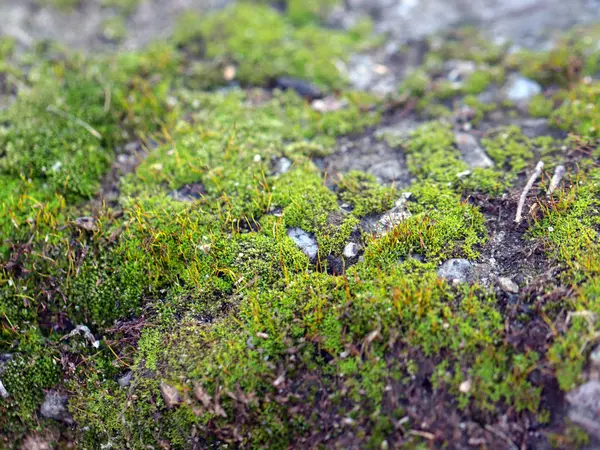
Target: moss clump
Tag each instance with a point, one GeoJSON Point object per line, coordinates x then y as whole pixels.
{"type": "Point", "coordinates": [251, 36]}
{"type": "Point", "coordinates": [570, 228]}
{"type": "Point", "coordinates": [126, 6]}
{"type": "Point", "coordinates": [579, 111]}
{"type": "Point", "coordinates": [192, 285]}
{"type": "Point", "coordinates": [364, 195]}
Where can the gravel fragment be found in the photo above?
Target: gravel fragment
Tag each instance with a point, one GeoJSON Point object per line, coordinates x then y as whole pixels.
{"type": "Point", "coordinates": [86, 223]}
{"type": "Point", "coordinates": [584, 407]}
{"type": "Point", "coordinates": [83, 329]}
{"type": "Point", "coordinates": [520, 89]}
{"type": "Point", "coordinates": [329, 104]}
{"type": "Point", "coordinates": [170, 395]}
{"type": "Point", "coordinates": [365, 72]}
{"type": "Point", "coordinates": [305, 241]}
{"type": "Point", "coordinates": [350, 250]}
{"type": "Point", "coordinates": [456, 270]}
{"type": "Point", "coordinates": [471, 152]}
{"type": "Point", "coordinates": [188, 192]}
{"type": "Point", "coordinates": [125, 380]}
{"type": "Point", "coordinates": [508, 285]}
{"type": "Point", "coordinates": [282, 166]}
{"type": "Point", "coordinates": [381, 225]}
{"type": "Point", "coordinates": [302, 88]}
{"type": "Point", "coordinates": [55, 407]}
{"type": "Point", "coordinates": [595, 356]}
{"type": "Point", "coordinates": [3, 392]}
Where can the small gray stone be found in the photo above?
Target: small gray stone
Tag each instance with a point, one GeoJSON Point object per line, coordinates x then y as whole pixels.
{"type": "Point", "coordinates": [3, 392]}
{"type": "Point", "coordinates": [305, 241]}
{"type": "Point", "coordinates": [471, 152]}
{"type": "Point", "coordinates": [4, 360]}
{"type": "Point", "coordinates": [459, 70]}
{"type": "Point", "coordinates": [282, 165]}
{"type": "Point", "coordinates": [508, 285]}
{"type": "Point", "coordinates": [584, 407]}
{"type": "Point", "coordinates": [188, 192]}
{"type": "Point", "coordinates": [170, 395]}
{"type": "Point", "coordinates": [125, 380]}
{"type": "Point", "coordinates": [595, 356]}
{"type": "Point", "coordinates": [55, 407]}
{"type": "Point", "coordinates": [520, 89]}
{"type": "Point", "coordinates": [350, 250]}
{"type": "Point", "coordinates": [456, 270]}
{"type": "Point", "coordinates": [37, 442]}
{"type": "Point", "coordinates": [86, 223]}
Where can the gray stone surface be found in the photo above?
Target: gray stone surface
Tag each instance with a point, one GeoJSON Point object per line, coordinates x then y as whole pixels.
{"type": "Point", "coordinates": [350, 250]}
{"type": "Point", "coordinates": [508, 285]}
{"type": "Point", "coordinates": [305, 241]}
{"type": "Point", "coordinates": [471, 152]}
{"type": "Point", "coordinates": [83, 27]}
{"type": "Point", "coordinates": [584, 406]}
{"type": "Point", "coordinates": [383, 223]}
{"type": "Point", "coordinates": [520, 89]}
{"type": "Point", "coordinates": [282, 165]}
{"type": "Point", "coordinates": [523, 22]}
{"type": "Point", "coordinates": [170, 395]}
{"type": "Point", "coordinates": [55, 407]}
{"type": "Point", "coordinates": [456, 270]}
{"type": "Point", "coordinates": [368, 154]}
{"type": "Point", "coordinates": [125, 380]}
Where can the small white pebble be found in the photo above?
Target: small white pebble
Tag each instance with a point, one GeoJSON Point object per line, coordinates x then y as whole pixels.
{"type": "Point", "coordinates": [257, 158]}
{"type": "Point", "coordinates": [550, 229]}
{"type": "Point", "coordinates": [465, 386]}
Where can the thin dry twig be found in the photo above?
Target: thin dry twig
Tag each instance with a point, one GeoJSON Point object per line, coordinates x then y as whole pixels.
{"type": "Point", "coordinates": [559, 173]}
{"type": "Point", "coordinates": [502, 436]}
{"type": "Point", "coordinates": [423, 434]}
{"type": "Point", "coordinates": [77, 120]}
{"type": "Point", "coordinates": [537, 172]}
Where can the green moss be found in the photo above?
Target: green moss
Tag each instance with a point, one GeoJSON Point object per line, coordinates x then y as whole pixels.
{"type": "Point", "coordinates": [540, 106]}
{"type": "Point", "coordinates": [572, 57]}
{"type": "Point", "coordinates": [478, 82]}
{"type": "Point", "coordinates": [579, 111]}
{"type": "Point", "coordinates": [212, 297]}
{"type": "Point", "coordinates": [251, 36]}
{"type": "Point", "coordinates": [114, 28]}
{"type": "Point", "coordinates": [509, 148]}
{"type": "Point", "coordinates": [570, 230]}
{"type": "Point", "coordinates": [25, 378]}
{"type": "Point", "coordinates": [63, 5]}
{"type": "Point", "coordinates": [126, 6]}
{"type": "Point", "coordinates": [364, 194]}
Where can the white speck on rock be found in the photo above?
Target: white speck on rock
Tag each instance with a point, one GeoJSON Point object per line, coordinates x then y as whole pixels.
{"type": "Point", "coordinates": [305, 241]}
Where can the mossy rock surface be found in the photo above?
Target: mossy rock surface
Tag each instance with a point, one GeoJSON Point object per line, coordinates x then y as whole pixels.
{"type": "Point", "coordinates": [216, 241]}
